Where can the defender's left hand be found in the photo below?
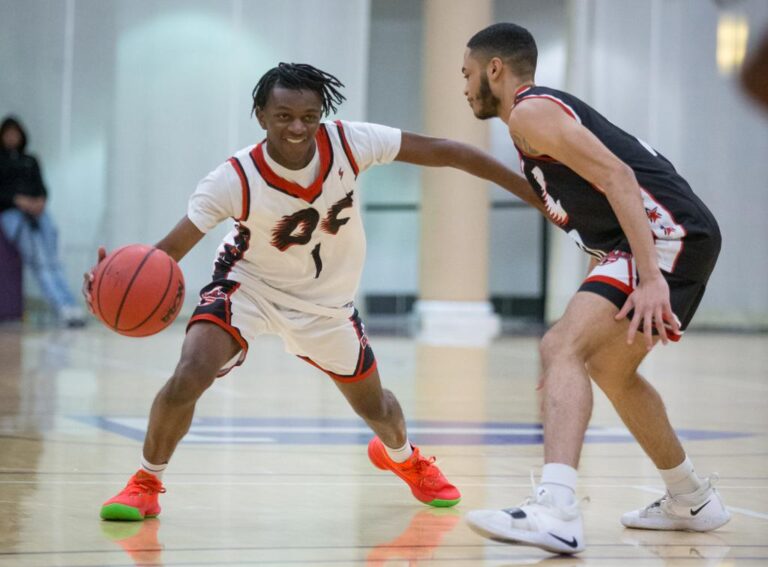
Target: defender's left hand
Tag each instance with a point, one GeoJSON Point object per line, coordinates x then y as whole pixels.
{"type": "Point", "coordinates": [650, 300]}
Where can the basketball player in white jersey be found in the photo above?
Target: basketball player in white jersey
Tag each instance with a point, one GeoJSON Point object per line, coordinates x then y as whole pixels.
{"type": "Point", "coordinates": [290, 267]}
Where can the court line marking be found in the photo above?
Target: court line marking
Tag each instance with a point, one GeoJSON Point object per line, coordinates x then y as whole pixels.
{"type": "Point", "coordinates": [352, 547]}
{"type": "Point", "coordinates": [743, 511]}
{"type": "Point", "coordinates": [86, 473]}
{"type": "Point", "coordinates": [238, 431]}
{"type": "Point", "coordinates": [225, 483]}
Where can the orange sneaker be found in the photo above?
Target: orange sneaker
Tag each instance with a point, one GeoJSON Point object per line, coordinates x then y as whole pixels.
{"type": "Point", "coordinates": [138, 500]}
{"type": "Point", "coordinates": [423, 477]}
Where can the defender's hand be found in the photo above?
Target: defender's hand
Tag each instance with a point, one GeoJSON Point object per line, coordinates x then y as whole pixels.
{"type": "Point", "coordinates": [650, 300]}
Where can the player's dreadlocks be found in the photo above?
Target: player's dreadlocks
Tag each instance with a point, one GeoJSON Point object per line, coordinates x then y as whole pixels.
{"type": "Point", "coordinates": [299, 76]}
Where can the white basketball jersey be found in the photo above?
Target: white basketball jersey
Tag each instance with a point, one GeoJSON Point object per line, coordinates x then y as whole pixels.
{"type": "Point", "coordinates": [298, 237]}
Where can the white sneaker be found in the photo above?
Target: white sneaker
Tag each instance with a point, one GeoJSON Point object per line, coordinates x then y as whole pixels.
{"type": "Point", "coordinates": [700, 511]}
{"type": "Point", "coordinates": [537, 522]}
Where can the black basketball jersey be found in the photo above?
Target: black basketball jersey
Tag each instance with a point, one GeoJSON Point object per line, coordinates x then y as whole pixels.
{"type": "Point", "coordinates": [686, 234]}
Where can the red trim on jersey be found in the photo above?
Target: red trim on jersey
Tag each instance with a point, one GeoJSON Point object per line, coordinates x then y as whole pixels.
{"type": "Point", "coordinates": [568, 110]}
{"type": "Point", "coordinates": [356, 377]}
{"type": "Point", "coordinates": [621, 286]}
{"type": "Point", "coordinates": [522, 89]}
{"type": "Point", "coordinates": [308, 194]}
{"type": "Point", "coordinates": [347, 148]}
{"type": "Point", "coordinates": [246, 189]}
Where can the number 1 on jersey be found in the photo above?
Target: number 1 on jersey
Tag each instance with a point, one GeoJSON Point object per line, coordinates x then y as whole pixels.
{"type": "Point", "coordinates": [318, 260]}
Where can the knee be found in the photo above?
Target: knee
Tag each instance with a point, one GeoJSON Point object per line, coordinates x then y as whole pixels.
{"type": "Point", "coordinates": [189, 381]}
{"type": "Point", "coordinates": [556, 345]}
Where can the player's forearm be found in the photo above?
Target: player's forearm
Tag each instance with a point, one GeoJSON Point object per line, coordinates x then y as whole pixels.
{"type": "Point", "coordinates": [181, 239]}
{"type": "Point", "coordinates": [623, 194]}
{"type": "Point", "coordinates": [481, 164]}
{"type": "Point", "coordinates": [515, 184]}
{"type": "Point", "coordinates": [439, 152]}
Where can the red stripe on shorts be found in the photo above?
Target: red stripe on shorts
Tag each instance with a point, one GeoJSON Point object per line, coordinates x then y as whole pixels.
{"type": "Point", "coordinates": [621, 286]}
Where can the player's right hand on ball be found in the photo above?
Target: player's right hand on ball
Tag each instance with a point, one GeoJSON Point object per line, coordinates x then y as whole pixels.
{"type": "Point", "coordinates": [88, 278]}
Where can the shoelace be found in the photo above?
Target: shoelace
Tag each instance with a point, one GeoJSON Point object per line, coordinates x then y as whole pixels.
{"type": "Point", "coordinates": [429, 474]}
{"type": "Point", "coordinates": [709, 482]}
{"type": "Point", "coordinates": [657, 503]}
{"type": "Point", "coordinates": [145, 485]}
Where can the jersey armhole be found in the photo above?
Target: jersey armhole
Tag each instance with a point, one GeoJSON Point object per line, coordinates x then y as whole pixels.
{"type": "Point", "coordinates": [347, 149]}
{"type": "Point", "coordinates": [567, 109]}
{"type": "Point", "coordinates": [244, 187]}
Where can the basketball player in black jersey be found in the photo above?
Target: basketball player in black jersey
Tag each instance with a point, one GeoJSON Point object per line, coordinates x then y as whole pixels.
{"type": "Point", "coordinates": [654, 245]}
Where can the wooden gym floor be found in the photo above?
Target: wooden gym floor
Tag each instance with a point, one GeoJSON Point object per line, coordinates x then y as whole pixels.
{"type": "Point", "coordinates": [274, 471]}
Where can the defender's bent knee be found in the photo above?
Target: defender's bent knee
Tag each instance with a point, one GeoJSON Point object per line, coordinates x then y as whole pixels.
{"type": "Point", "coordinates": [556, 345]}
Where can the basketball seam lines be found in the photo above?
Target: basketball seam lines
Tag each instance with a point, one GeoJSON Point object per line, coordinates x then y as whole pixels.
{"type": "Point", "coordinates": [130, 284]}
{"type": "Point", "coordinates": [101, 279]}
{"type": "Point", "coordinates": [162, 298]}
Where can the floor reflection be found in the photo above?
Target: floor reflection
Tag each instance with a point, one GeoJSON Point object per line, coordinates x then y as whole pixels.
{"type": "Point", "coordinates": [419, 540]}
{"type": "Point", "coordinates": [139, 540]}
{"type": "Point", "coordinates": [702, 549]}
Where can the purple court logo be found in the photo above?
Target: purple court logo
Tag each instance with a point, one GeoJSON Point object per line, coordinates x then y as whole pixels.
{"type": "Point", "coordinates": [321, 431]}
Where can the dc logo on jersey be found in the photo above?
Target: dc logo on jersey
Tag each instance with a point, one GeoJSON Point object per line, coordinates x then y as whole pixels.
{"type": "Point", "coordinates": [211, 296]}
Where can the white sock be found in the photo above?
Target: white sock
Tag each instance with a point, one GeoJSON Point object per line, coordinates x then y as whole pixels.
{"type": "Point", "coordinates": [682, 479]}
{"type": "Point", "coordinates": [151, 468]}
{"type": "Point", "coordinates": [402, 454]}
{"type": "Point", "coordinates": [560, 481]}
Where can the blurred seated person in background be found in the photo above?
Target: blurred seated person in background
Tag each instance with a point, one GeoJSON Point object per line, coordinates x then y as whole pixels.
{"type": "Point", "coordinates": [26, 223]}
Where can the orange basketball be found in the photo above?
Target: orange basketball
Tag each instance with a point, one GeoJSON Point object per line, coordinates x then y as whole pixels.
{"type": "Point", "coordinates": [137, 290]}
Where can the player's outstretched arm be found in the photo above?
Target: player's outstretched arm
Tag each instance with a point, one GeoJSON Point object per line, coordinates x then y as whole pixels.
{"type": "Point", "coordinates": [181, 239]}
{"type": "Point", "coordinates": [440, 152]}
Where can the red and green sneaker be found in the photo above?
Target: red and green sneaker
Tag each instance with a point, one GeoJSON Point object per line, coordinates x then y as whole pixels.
{"type": "Point", "coordinates": [421, 474]}
{"type": "Point", "coordinates": [138, 500]}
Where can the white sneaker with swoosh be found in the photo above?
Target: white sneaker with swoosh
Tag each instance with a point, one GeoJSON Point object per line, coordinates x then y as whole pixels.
{"type": "Point", "coordinates": [700, 511]}
{"type": "Point", "coordinates": [537, 522]}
